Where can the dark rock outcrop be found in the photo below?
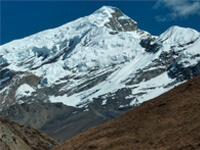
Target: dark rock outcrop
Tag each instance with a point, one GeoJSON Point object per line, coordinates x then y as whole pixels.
{"type": "Point", "coordinates": [120, 22]}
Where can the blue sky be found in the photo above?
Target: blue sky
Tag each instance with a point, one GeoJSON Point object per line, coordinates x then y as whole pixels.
{"type": "Point", "coordinates": [23, 18]}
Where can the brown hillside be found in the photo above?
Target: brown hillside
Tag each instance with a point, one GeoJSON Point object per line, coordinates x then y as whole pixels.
{"type": "Point", "coordinates": [170, 122]}
{"type": "Point", "coordinates": [18, 137]}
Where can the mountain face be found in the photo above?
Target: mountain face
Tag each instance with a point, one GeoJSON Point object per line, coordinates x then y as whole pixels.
{"type": "Point", "coordinates": [169, 122]}
{"type": "Point", "coordinates": [101, 65]}
{"type": "Point", "coordinates": [19, 137]}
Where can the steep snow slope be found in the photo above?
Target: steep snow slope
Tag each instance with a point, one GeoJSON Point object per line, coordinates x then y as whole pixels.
{"type": "Point", "coordinates": [101, 57]}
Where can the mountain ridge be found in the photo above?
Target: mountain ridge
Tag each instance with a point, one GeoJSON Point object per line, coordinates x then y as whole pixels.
{"type": "Point", "coordinates": [99, 67]}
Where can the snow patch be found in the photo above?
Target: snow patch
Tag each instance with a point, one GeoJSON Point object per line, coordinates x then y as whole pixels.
{"type": "Point", "coordinates": [24, 90]}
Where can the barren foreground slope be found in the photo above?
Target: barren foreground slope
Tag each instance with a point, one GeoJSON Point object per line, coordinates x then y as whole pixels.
{"type": "Point", "coordinates": [19, 137]}
{"type": "Point", "coordinates": [170, 121]}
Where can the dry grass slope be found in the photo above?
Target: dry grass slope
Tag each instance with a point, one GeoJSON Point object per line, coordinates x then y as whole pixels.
{"type": "Point", "coordinates": [170, 122]}
{"type": "Point", "coordinates": [19, 137]}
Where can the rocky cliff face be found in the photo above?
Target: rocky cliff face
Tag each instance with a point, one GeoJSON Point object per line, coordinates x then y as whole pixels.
{"type": "Point", "coordinates": [102, 60]}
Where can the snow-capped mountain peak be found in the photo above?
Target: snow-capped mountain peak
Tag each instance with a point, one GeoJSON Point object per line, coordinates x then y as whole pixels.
{"type": "Point", "coordinates": [102, 57]}
{"type": "Point", "coordinates": [178, 35]}
{"type": "Point", "coordinates": [105, 9]}
{"type": "Point", "coordinates": [95, 32]}
{"type": "Point", "coordinates": [113, 18]}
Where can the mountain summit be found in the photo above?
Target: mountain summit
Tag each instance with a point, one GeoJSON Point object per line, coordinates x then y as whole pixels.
{"type": "Point", "coordinates": [113, 18]}
{"type": "Point", "coordinates": [100, 64]}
